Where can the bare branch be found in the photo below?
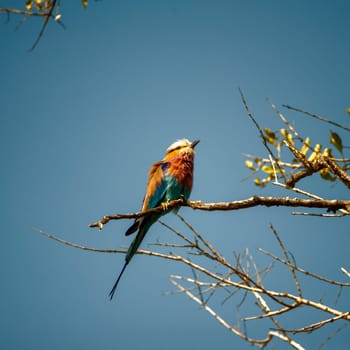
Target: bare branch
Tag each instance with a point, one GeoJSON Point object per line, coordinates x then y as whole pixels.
{"type": "Point", "coordinates": [213, 313]}
{"type": "Point", "coordinates": [226, 282]}
{"type": "Point", "coordinates": [346, 272]}
{"type": "Point", "coordinates": [331, 336]}
{"type": "Point", "coordinates": [317, 117]}
{"type": "Point", "coordinates": [23, 12]}
{"type": "Point", "coordinates": [74, 245]}
{"type": "Point", "coordinates": [285, 121]}
{"type": "Point", "coordinates": [337, 171]}
{"type": "Point", "coordinates": [314, 326]}
{"type": "Point", "coordinates": [254, 201]}
{"type": "Point", "coordinates": [259, 343]}
{"type": "Point", "coordinates": [291, 267]}
{"type": "Point", "coordinates": [299, 269]}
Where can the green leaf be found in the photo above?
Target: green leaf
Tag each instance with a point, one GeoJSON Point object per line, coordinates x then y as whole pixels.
{"type": "Point", "coordinates": [326, 175]}
{"type": "Point", "coordinates": [258, 183]}
{"type": "Point", "coordinates": [249, 165]}
{"type": "Point", "coordinates": [267, 169]}
{"type": "Point", "coordinates": [288, 137]}
{"type": "Point", "coordinates": [305, 147]}
{"type": "Point", "coordinates": [327, 152]}
{"type": "Point", "coordinates": [316, 153]}
{"type": "Point", "coordinates": [29, 5]}
{"type": "Point", "coordinates": [270, 136]}
{"type": "Point", "coordinates": [270, 133]}
{"type": "Point", "coordinates": [336, 141]}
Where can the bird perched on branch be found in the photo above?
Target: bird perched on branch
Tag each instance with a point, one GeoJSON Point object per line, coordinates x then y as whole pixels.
{"type": "Point", "coordinates": [169, 179]}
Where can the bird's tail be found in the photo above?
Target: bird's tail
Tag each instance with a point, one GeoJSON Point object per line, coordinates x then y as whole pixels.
{"type": "Point", "coordinates": [143, 229]}
{"type": "Point", "coordinates": [130, 253]}
{"type": "Point", "coordinates": [111, 293]}
{"type": "Point", "coordinates": [133, 228]}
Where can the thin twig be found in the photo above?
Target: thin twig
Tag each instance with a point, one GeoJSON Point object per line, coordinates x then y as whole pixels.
{"type": "Point", "coordinates": [213, 313]}
{"type": "Point", "coordinates": [299, 269]}
{"type": "Point", "coordinates": [43, 28]}
{"type": "Point", "coordinates": [322, 215]}
{"type": "Point", "coordinates": [22, 12]}
{"type": "Point", "coordinates": [285, 121]}
{"type": "Point", "coordinates": [74, 245]}
{"type": "Point", "coordinates": [291, 267]}
{"type": "Point", "coordinates": [164, 256]}
{"type": "Point", "coordinates": [251, 116]}
{"type": "Point", "coordinates": [317, 117]}
{"type": "Point", "coordinates": [198, 235]}
{"type": "Point", "coordinates": [331, 336]}
{"type": "Point", "coordinates": [314, 326]}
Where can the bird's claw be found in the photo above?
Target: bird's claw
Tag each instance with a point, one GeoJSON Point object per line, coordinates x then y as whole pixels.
{"type": "Point", "coordinates": [165, 206]}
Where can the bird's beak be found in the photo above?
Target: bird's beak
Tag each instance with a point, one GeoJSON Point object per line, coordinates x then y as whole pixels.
{"type": "Point", "coordinates": [194, 143]}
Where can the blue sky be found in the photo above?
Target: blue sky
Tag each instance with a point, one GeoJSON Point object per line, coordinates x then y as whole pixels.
{"type": "Point", "coordinates": [87, 112]}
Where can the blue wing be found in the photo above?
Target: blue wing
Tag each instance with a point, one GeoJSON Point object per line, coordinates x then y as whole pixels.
{"type": "Point", "coordinates": [157, 187]}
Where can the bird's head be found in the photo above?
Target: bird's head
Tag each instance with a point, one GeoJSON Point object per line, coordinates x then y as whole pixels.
{"type": "Point", "coordinates": [180, 147]}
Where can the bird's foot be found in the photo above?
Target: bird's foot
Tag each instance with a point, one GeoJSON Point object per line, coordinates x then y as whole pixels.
{"type": "Point", "coordinates": [165, 206]}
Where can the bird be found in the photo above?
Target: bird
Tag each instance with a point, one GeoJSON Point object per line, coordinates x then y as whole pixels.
{"type": "Point", "coordinates": [170, 178]}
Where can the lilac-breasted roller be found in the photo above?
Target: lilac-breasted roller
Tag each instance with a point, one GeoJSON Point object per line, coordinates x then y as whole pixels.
{"type": "Point", "coordinates": [170, 178]}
